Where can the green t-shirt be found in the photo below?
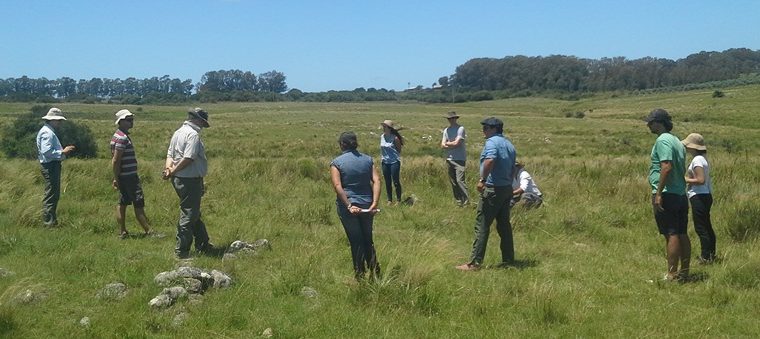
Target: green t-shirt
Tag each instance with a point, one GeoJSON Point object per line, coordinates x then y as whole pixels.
{"type": "Point", "coordinates": [668, 148]}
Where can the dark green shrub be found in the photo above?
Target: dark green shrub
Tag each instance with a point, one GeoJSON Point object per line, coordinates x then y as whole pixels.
{"type": "Point", "coordinates": [19, 138]}
{"type": "Point", "coordinates": [718, 94]}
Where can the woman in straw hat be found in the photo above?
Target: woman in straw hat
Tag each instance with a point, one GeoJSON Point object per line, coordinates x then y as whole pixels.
{"type": "Point", "coordinates": [390, 146]}
{"type": "Point", "coordinates": [699, 191]}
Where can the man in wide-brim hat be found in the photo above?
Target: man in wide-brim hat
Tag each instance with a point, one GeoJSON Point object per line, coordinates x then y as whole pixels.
{"type": "Point", "coordinates": [50, 153]}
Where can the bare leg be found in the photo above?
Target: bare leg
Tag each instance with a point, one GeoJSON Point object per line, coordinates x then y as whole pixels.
{"type": "Point", "coordinates": [673, 250]}
{"type": "Point", "coordinates": [121, 210]}
{"type": "Point", "coordinates": [142, 219]}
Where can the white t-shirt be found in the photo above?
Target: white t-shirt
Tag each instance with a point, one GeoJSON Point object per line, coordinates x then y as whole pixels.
{"type": "Point", "coordinates": [706, 188]}
{"type": "Point", "coordinates": [525, 181]}
{"type": "Point", "coordinates": [450, 134]}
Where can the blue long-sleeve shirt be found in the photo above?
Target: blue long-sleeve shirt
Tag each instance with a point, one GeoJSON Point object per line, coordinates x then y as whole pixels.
{"type": "Point", "coordinates": [48, 146]}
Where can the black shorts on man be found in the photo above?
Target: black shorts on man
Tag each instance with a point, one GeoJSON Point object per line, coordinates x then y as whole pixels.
{"type": "Point", "coordinates": [675, 215]}
{"type": "Point", "coordinates": [130, 191]}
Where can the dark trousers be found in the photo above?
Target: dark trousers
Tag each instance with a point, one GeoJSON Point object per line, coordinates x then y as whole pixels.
{"type": "Point", "coordinates": [493, 204]}
{"type": "Point", "coordinates": [190, 225]}
{"type": "Point", "coordinates": [700, 211]}
{"type": "Point", "coordinates": [359, 232]}
{"type": "Point", "coordinates": [457, 180]}
{"type": "Point", "coordinates": [391, 173]}
{"type": "Point", "coordinates": [51, 172]}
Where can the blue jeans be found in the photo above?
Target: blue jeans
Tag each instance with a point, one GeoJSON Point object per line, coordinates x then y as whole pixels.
{"type": "Point", "coordinates": [391, 172]}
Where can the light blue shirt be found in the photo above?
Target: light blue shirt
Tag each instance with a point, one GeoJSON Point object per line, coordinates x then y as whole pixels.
{"type": "Point", "coordinates": [355, 176]}
{"type": "Point", "coordinates": [48, 146]}
{"type": "Point", "coordinates": [503, 154]}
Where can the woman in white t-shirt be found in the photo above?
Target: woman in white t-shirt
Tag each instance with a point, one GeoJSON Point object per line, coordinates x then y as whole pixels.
{"type": "Point", "coordinates": [699, 191]}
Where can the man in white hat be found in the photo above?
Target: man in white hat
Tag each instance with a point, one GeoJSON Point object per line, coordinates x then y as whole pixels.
{"type": "Point", "coordinates": [125, 178]}
{"type": "Point", "coordinates": [186, 165]}
{"type": "Point", "coordinates": [51, 153]}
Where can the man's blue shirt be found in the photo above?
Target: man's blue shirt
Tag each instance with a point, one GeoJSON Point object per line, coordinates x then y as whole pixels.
{"type": "Point", "coordinates": [503, 153]}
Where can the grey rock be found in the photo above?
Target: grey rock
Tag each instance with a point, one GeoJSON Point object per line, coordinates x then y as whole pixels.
{"type": "Point", "coordinates": [189, 272]}
{"type": "Point", "coordinates": [28, 296]}
{"type": "Point", "coordinates": [238, 245]}
{"type": "Point", "coordinates": [195, 299]}
{"type": "Point", "coordinates": [410, 201]}
{"type": "Point", "coordinates": [262, 244]}
{"type": "Point", "coordinates": [309, 292]}
{"type": "Point", "coordinates": [84, 322]}
{"type": "Point", "coordinates": [161, 301]}
{"type": "Point", "coordinates": [180, 319]}
{"type": "Point", "coordinates": [174, 292]}
{"type": "Point", "coordinates": [166, 278]}
{"type": "Point", "coordinates": [113, 291]}
{"type": "Point", "coordinates": [221, 280]}
{"type": "Point", "coordinates": [268, 333]}
{"type": "Point", "coordinates": [193, 285]}
{"type": "Point", "coordinates": [6, 273]}
{"type": "Point", "coordinates": [229, 256]}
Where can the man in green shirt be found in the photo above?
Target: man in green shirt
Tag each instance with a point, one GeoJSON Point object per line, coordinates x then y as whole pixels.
{"type": "Point", "coordinates": [669, 202]}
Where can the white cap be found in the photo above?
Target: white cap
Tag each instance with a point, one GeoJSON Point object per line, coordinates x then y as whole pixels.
{"type": "Point", "coordinates": [122, 115]}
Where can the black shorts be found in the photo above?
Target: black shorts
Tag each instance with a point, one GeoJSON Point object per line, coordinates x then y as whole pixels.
{"type": "Point", "coordinates": [675, 217]}
{"type": "Point", "coordinates": [130, 191]}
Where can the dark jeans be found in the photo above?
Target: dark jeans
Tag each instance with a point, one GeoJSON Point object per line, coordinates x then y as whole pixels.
{"type": "Point", "coordinates": [392, 172]}
{"type": "Point", "coordinates": [359, 232]}
{"type": "Point", "coordinates": [51, 172]}
{"type": "Point", "coordinates": [457, 180]}
{"type": "Point", "coordinates": [190, 225]}
{"type": "Point", "coordinates": [493, 204]}
{"type": "Point", "coordinates": [700, 211]}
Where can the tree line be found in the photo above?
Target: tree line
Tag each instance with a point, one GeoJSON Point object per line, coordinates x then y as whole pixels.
{"type": "Point", "coordinates": [137, 91]}
{"type": "Point", "coordinates": [569, 74]}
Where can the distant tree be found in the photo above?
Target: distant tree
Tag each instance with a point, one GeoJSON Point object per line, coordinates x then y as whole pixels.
{"type": "Point", "coordinates": [272, 81]}
{"type": "Point", "coordinates": [443, 81]}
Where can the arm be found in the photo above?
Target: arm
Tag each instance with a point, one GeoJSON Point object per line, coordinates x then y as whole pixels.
{"type": "Point", "coordinates": [699, 176]}
{"type": "Point", "coordinates": [487, 167]}
{"type": "Point", "coordinates": [338, 187]}
{"type": "Point", "coordinates": [665, 168]}
{"type": "Point", "coordinates": [179, 166]}
{"type": "Point", "coordinates": [116, 166]}
{"type": "Point", "coordinates": [397, 144]}
{"type": "Point", "coordinates": [375, 190]}
{"type": "Point", "coordinates": [444, 142]}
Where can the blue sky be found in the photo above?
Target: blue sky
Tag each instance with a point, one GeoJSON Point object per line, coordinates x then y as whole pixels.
{"type": "Point", "coordinates": [323, 45]}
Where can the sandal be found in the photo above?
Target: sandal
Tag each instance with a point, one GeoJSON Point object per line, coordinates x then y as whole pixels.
{"type": "Point", "coordinates": [123, 235]}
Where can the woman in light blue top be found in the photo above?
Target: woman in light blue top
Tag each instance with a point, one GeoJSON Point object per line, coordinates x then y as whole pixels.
{"type": "Point", "coordinates": [357, 189]}
{"type": "Point", "coordinates": [390, 146]}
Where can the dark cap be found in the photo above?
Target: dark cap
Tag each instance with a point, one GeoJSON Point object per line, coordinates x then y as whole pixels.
{"type": "Point", "coordinates": [199, 113]}
{"type": "Point", "coordinates": [493, 122]}
{"type": "Point", "coordinates": [451, 115]}
{"type": "Point", "coordinates": [658, 114]}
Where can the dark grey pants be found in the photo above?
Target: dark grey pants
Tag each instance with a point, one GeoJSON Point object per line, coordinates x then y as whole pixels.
{"type": "Point", "coordinates": [51, 172]}
{"type": "Point", "coordinates": [494, 204]}
{"type": "Point", "coordinates": [457, 180]}
{"type": "Point", "coordinates": [359, 232]}
{"type": "Point", "coordinates": [190, 225]}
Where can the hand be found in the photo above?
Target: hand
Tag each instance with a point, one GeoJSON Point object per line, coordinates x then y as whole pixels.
{"type": "Point", "coordinates": [115, 184]}
{"type": "Point", "coordinates": [658, 202]}
{"type": "Point", "coordinates": [481, 186]}
{"type": "Point", "coordinates": [166, 174]}
{"type": "Point", "coordinates": [373, 210]}
{"type": "Point", "coordinates": [354, 210]}
{"type": "Point", "coordinates": [68, 149]}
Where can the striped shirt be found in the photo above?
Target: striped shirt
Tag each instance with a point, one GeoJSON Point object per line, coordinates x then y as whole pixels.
{"type": "Point", "coordinates": [121, 141]}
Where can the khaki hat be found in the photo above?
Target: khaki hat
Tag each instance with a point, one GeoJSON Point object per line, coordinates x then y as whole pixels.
{"type": "Point", "coordinates": [54, 114]}
{"type": "Point", "coordinates": [122, 114]}
{"type": "Point", "coordinates": [694, 141]}
{"type": "Point", "coordinates": [451, 115]}
{"type": "Point", "coordinates": [391, 125]}
{"type": "Point", "coordinates": [199, 113]}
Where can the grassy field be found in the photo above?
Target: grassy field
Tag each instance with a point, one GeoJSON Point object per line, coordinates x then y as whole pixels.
{"type": "Point", "coordinates": [591, 258]}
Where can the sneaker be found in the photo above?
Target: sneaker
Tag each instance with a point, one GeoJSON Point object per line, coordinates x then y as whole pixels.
{"type": "Point", "coordinates": [468, 267]}
{"type": "Point", "coordinates": [123, 235]}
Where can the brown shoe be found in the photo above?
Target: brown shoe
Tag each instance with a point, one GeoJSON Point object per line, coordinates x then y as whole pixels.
{"type": "Point", "coordinates": [468, 267]}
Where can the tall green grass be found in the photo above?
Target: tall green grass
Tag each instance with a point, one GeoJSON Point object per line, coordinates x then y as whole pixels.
{"type": "Point", "coordinates": [590, 259]}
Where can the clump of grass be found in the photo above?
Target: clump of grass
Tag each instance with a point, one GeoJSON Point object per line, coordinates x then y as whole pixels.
{"type": "Point", "coordinates": [744, 223]}
{"type": "Point", "coordinates": [745, 276]}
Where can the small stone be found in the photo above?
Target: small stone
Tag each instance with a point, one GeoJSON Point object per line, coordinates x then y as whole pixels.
{"type": "Point", "coordinates": [166, 278]}
{"type": "Point", "coordinates": [238, 245]}
{"type": "Point", "coordinates": [189, 272]}
{"type": "Point", "coordinates": [268, 333]}
{"type": "Point", "coordinates": [261, 244]}
{"type": "Point", "coordinates": [193, 285]}
{"type": "Point", "coordinates": [6, 273]}
{"type": "Point", "coordinates": [229, 256]}
{"type": "Point", "coordinates": [85, 322]}
{"type": "Point", "coordinates": [113, 291]}
{"type": "Point", "coordinates": [180, 319]}
{"type": "Point", "coordinates": [221, 280]}
{"type": "Point", "coordinates": [161, 301]}
{"type": "Point", "coordinates": [174, 292]}
{"type": "Point", "coordinates": [309, 292]}
{"type": "Point", "coordinates": [29, 296]}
